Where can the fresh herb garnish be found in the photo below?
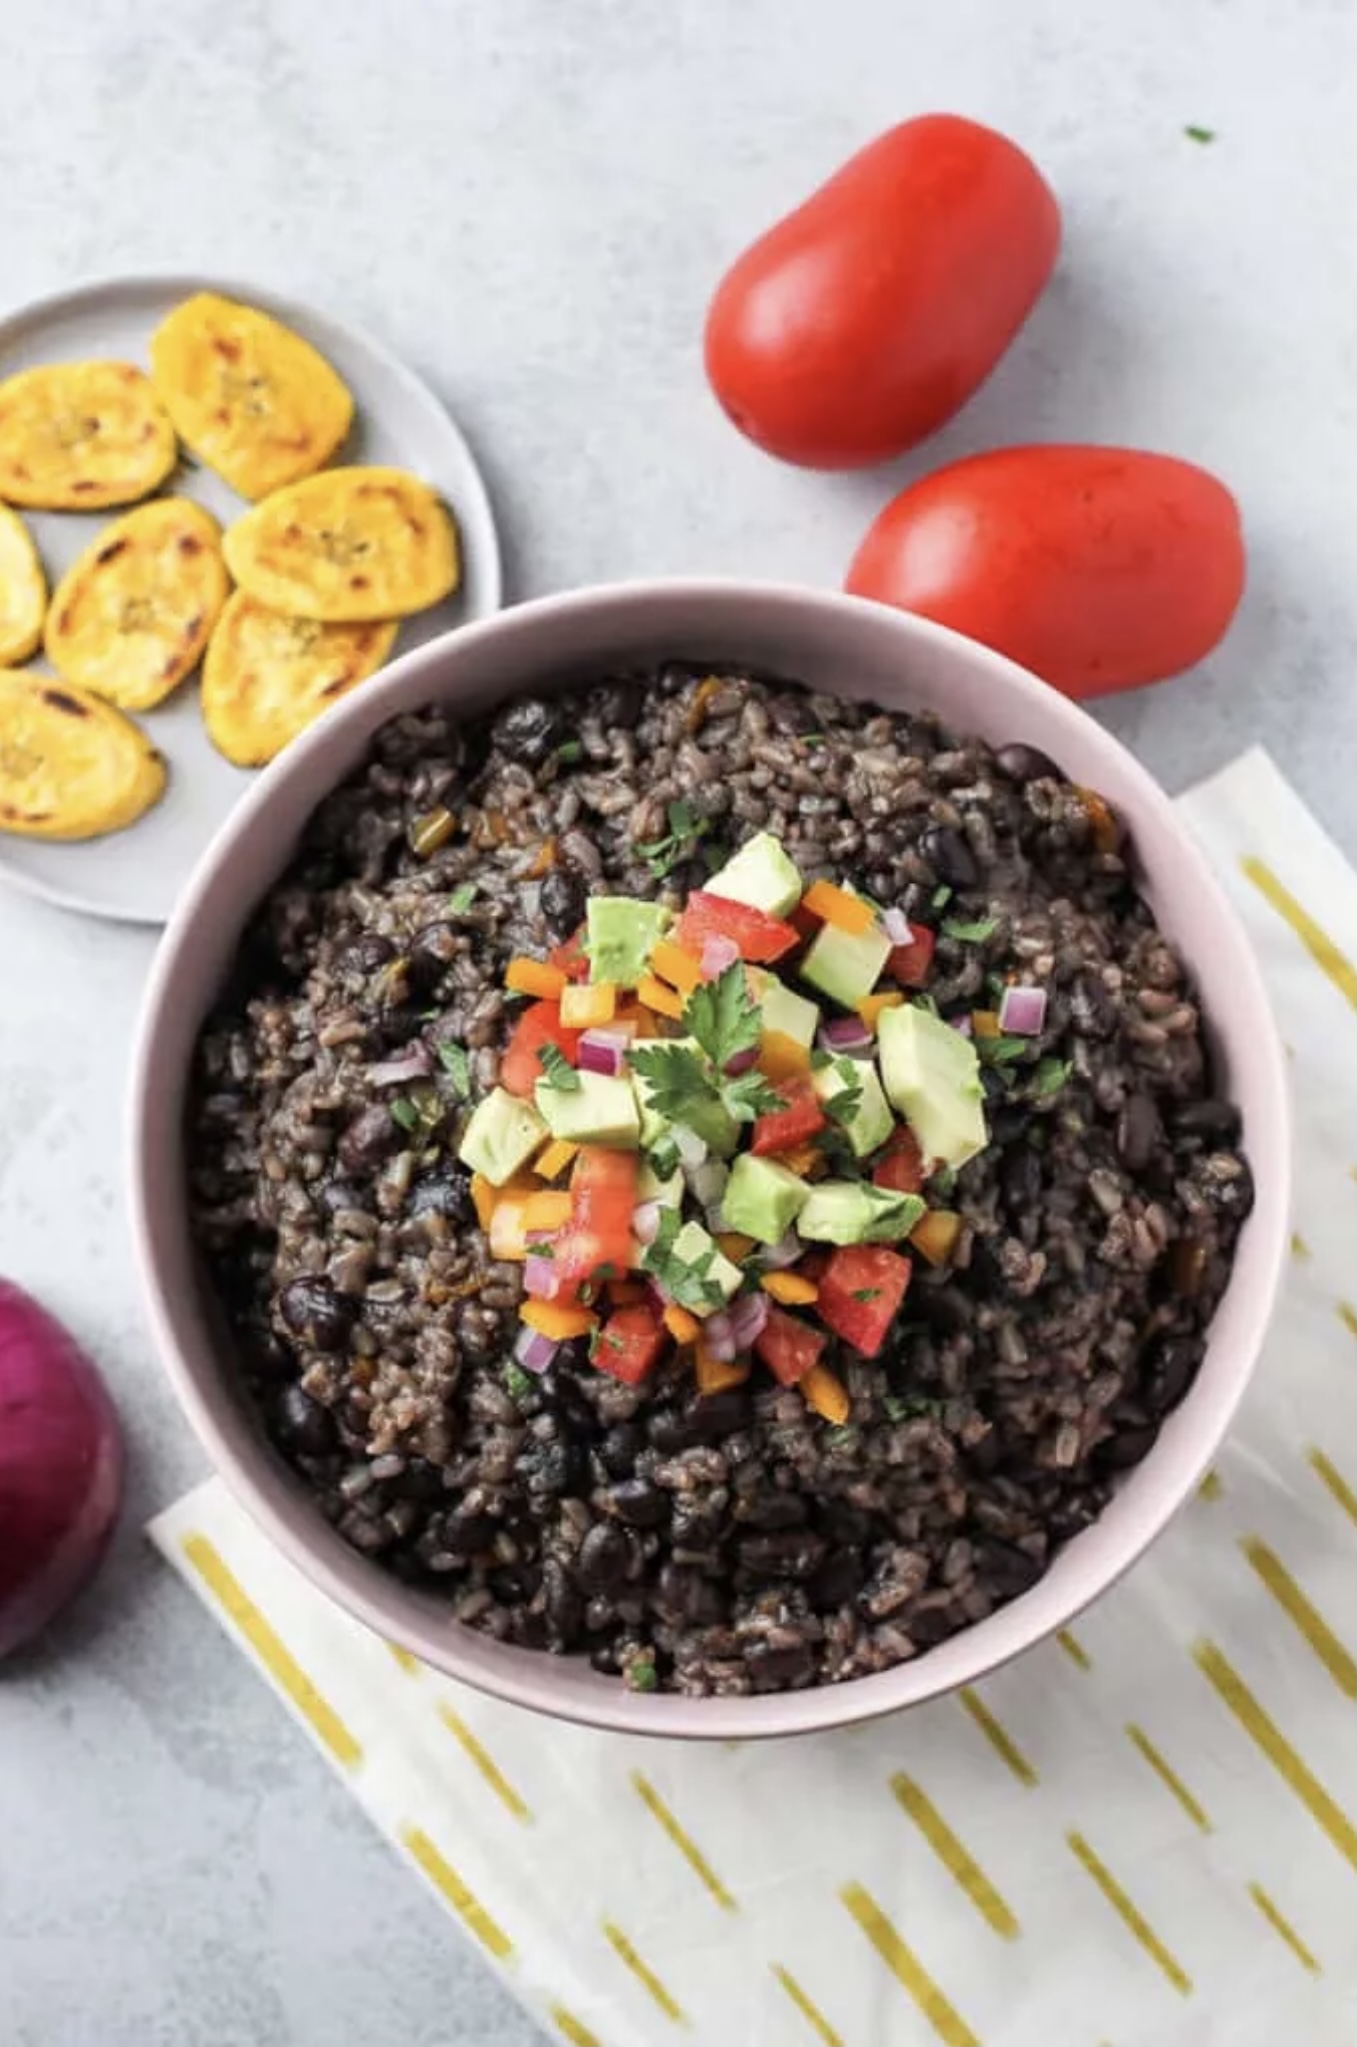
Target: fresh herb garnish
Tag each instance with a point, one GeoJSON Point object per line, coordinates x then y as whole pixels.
{"type": "Point", "coordinates": [687, 1285]}
{"type": "Point", "coordinates": [905, 1407]}
{"type": "Point", "coordinates": [642, 1676]}
{"type": "Point", "coordinates": [750, 1095]}
{"type": "Point", "coordinates": [517, 1382]}
{"type": "Point", "coordinates": [456, 1063]}
{"type": "Point", "coordinates": [1196, 134]}
{"type": "Point", "coordinates": [1003, 1051]}
{"type": "Point", "coordinates": [570, 750]}
{"type": "Point", "coordinates": [973, 930]}
{"type": "Point", "coordinates": [462, 897]}
{"type": "Point", "coordinates": [814, 739]}
{"type": "Point", "coordinates": [926, 1002]}
{"type": "Point", "coordinates": [866, 1293]}
{"type": "Point", "coordinates": [686, 827]}
{"type": "Point", "coordinates": [723, 1019]}
{"type": "Point", "coordinates": [663, 1158]}
{"type": "Point", "coordinates": [723, 1016]}
{"type": "Point", "coordinates": [842, 1106]}
{"type": "Point", "coordinates": [943, 1181]}
{"type": "Point", "coordinates": [941, 896]}
{"type": "Point", "coordinates": [406, 1113]}
{"type": "Point", "coordinates": [1051, 1075]}
{"type": "Point", "coordinates": [557, 1070]}
{"type": "Point", "coordinates": [677, 1080]}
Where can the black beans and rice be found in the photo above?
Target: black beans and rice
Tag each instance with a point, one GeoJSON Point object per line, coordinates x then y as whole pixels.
{"type": "Point", "coordinates": [734, 1543]}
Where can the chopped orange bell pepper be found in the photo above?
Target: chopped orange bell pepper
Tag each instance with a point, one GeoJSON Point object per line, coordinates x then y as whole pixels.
{"type": "Point", "coordinates": [800, 1160]}
{"type": "Point", "coordinates": [781, 1057]}
{"type": "Point", "coordinates": [654, 995]}
{"type": "Point", "coordinates": [985, 1023]}
{"type": "Point", "coordinates": [734, 1244]}
{"type": "Point", "coordinates": [826, 1394]}
{"type": "Point", "coordinates": [587, 1003]}
{"type": "Point", "coordinates": [683, 1327]}
{"type": "Point", "coordinates": [839, 907]}
{"type": "Point", "coordinates": [674, 963]}
{"type": "Point", "coordinates": [561, 1324]}
{"type": "Point", "coordinates": [714, 1375]}
{"type": "Point", "coordinates": [485, 1198]}
{"type": "Point", "coordinates": [789, 1288]}
{"type": "Point", "coordinates": [869, 1009]}
{"type": "Point", "coordinates": [526, 976]}
{"type": "Point", "coordinates": [553, 1161]}
{"type": "Point", "coordinates": [935, 1234]}
{"type": "Point", "coordinates": [548, 1209]}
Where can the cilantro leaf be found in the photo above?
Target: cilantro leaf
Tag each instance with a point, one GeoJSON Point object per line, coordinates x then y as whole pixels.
{"type": "Point", "coordinates": [456, 1063]}
{"type": "Point", "coordinates": [1003, 1051]}
{"type": "Point", "coordinates": [570, 751]}
{"type": "Point", "coordinates": [1196, 134]}
{"type": "Point", "coordinates": [904, 1407]}
{"type": "Point", "coordinates": [405, 1113]}
{"type": "Point", "coordinates": [723, 1016]}
{"type": "Point", "coordinates": [688, 1285]}
{"type": "Point", "coordinates": [751, 1095]}
{"type": "Point", "coordinates": [943, 1181]}
{"type": "Point", "coordinates": [677, 1081]}
{"type": "Point", "coordinates": [462, 897]}
{"type": "Point", "coordinates": [842, 1106]}
{"type": "Point", "coordinates": [974, 930]}
{"type": "Point", "coordinates": [866, 1293]}
{"type": "Point", "coordinates": [517, 1382]}
{"type": "Point", "coordinates": [663, 1158]}
{"type": "Point", "coordinates": [1051, 1075]}
{"type": "Point", "coordinates": [686, 827]}
{"type": "Point", "coordinates": [642, 1675]}
{"type": "Point", "coordinates": [942, 895]}
{"type": "Point", "coordinates": [557, 1070]}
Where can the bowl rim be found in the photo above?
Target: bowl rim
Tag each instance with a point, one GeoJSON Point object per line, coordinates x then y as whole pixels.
{"type": "Point", "coordinates": [268, 1491]}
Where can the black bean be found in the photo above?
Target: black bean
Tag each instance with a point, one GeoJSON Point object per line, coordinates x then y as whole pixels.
{"type": "Point", "coordinates": [563, 901]}
{"type": "Point", "coordinates": [684, 1597]}
{"type": "Point", "coordinates": [672, 1429]}
{"type": "Point", "coordinates": [1138, 1132]}
{"type": "Point", "coordinates": [700, 1519]}
{"type": "Point", "coordinates": [554, 1469]}
{"type": "Point", "coordinates": [431, 954]}
{"type": "Point", "coordinates": [777, 1669]}
{"type": "Point", "coordinates": [366, 954]}
{"type": "Point", "coordinates": [304, 1425]}
{"type": "Point", "coordinates": [420, 1481]}
{"type": "Point", "coordinates": [617, 705]}
{"type": "Point", "coordinates": [1093, 1012]}
{"type": "Point", "coordinates": [1023, 763]}
{"type": "Point", "coordinates": [1170, 1369]}
{"type": "Point", "coordinates": [639, 1503]}
{"type": "Point", "coordinates": [844, 1523]}
{"type": "Point", "coordinates": [529, 730]}
{"type": "Point", "coordinates": [1020, 1180]}
{"type": "Point", "coordinates": [1008, 1570]}
{"type": "Point", "coordinates": [947, 853]}
{"type": "Point", "coordinates": [604, 1558]}
{"type": "Point", "coordinates": [838, 1580]}
{"type": "Point", "coordinates": [620, 1448]}
{"type": "Point", "coordinates": [771, 1509]}
{"type": "Point", "coordinates": [717, 1415]}
{"type": "Point", "coordinates": [446, 1191]}
{"type": "Point", "coordinates": [468, 1529]}
{"type": "Point", "coordinates": [313, 1311]}
{"type": "Point", "coordinates": [1211, 1118]}
{"type": "Point", "coordinates": [562, 1603]}
{"type": "Point", "coordinates": [795, 1553]}
{"type": "Point", "coordinates": [1127, 1447]}
{"type": "Point", "coordinates": [337, 1194]}
{"type": "Point", "coordinates": [515, 1584]}
{"type": "Point", "coordinates": [793, 714]}
{"type": "Point", "coordinates": [371, 1139]}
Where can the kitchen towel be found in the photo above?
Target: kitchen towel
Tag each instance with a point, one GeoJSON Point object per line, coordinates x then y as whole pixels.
{"type": "Point", "coordinates": [1143, 1833]}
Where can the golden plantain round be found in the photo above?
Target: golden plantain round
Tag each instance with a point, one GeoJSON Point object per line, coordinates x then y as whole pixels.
{"type": "Point", "coordinates": [347, 546]}
{"type": "Point", "coordinates": [81, 436]}
{"type": "Point", "coordinates": [257, 403]}
{"type": "Point", "coordinates": [268, 676]}
{"type": "Point", "coordinates": [132, 615]}
{"type": "Point", "coordinates": [23, 590]}
{"type": "Point", "coordinates": [71, 766]}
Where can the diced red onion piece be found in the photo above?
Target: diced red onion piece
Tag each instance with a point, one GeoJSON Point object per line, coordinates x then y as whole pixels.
{"type": "Point", "coordinates": [602, 1050]}
{"type": "Point", "coordinates": [718, 1338]}
{"type": "Point", "coordinates": [896, 926]}
{"type": "Point", "coordinates": [1023, 1011]}
{"type": "Point", "coordinates": [658, 1297]}
{"type": "Point", "coordinates": [645, 1222]}
{"type": "Point", "coordinates": [785, 1252]}
{"type": "Point", "coordinates": [540, 1278]}
{"type": "Point", "coordinates": [741, 1062]}
{"type": "Point", "coordinates": [844, 1034]}
{"type": "Point", "coordinates": [748, 1315]}
{"type": "Point", "coordinates": [534, 1351]}
{"type": "Point", "coordinates": [963, 1024]}
{"type": "Point", "coordinates": [707, 1182]}
{"type": "Point", "coordinates": [717, 954]}
{"type": "Point", "coordinates": [414, 1063]}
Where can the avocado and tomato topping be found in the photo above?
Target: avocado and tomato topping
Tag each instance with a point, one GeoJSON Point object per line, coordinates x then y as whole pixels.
{"type": "Point", "coordinates": [744, 1167]}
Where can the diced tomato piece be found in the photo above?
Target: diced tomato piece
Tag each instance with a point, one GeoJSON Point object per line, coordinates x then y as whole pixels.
{"type": "Point", "coordinates": [784, 1129]}
{"type": "Point", "coordinates": [900, 1169]}
{"type": "Point", "coordinates": [628, 1345]}
{"type": "Point", "coordinates": [603, 1189]}
{"type": "Point", "coordinates": [540, 1024]}
{"type": "Point", "coordinates": [911, 964]}
{"type": "Point", "coordinates": [788, 1346]}
{"type": "Point", "coordinates": [571, 957]}
{"type": "Point", "coordinates": [761, 938]}
{"type": "Point", "coordinates": [861, 1289]}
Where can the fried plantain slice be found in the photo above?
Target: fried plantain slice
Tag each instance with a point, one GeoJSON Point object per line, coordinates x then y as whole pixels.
{"type": "Point", "coordinates": [71, 767]}
{"type": "Point", "coordinates": [80, 436]}
{"type": "Point", "coordinates": [132, 616]}
{"type": "Point", "coordinates": [349, 545]}
{"type": "Point", "coordinates": [23, 590]}
{"type": "Point", "coordinates": [257, 403]}
{"type": "Point", "coordinates": [267, 676]}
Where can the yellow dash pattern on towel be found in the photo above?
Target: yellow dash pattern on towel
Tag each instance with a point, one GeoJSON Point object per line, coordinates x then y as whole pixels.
{"type": "Point", "coordinates": [1130, 1914]}
{"type": "Point", "coordinates": [1258, 1724]}
{"type": "Point", "coordinates": [955, 1857]}
{"type": "Point", "coordinates": [409, 1664]}
{"type": "Point", "coordinates": [809, 2010]}
{"type": "Point", "coordinates": [1282, 1926]}
{"type": "Point", "coordinates": [1328, 957]}
{"type": "Point", "coordinates": [1211, 1487]}
{"type": "Point", "coordinates": [1300, 1250]}
{"type": "Point", "coordinates": [907, 1969]}
{"type": "Point", "coordinates": [1168, 1777]}
{"type": "Point", "coordinates": [643, 1973]}
{"type": "Point", "coordinates": [272, 1652]}
{"type": "Point", "coordinates": [484, 1762]}
{"type": "Point", "coordinates": [1074, 1648]}
{"type": "Point", "coordinates": [998, 1737]}
{"type": "Point", "coordinates": [571, 2029]}
{"type": "Point", "coordinates": [684, 1842]}
{"type": "Point", "coordinates": [1299, 1609]}
{"type": "Point", "coordinates": [1347, 1315]}
{"type": "Point", "coordinates": [1330, 1476]}
{"type": "Point", "coordinates": [446, 1880]}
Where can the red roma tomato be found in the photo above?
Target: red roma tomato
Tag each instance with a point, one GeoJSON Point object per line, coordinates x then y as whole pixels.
{"type": "Point", "coordinates": [860, 323]}
{"type": "Point", "coordinates": [540, 1024]}
{"type": "Point", "coordinates": [1097, 568]}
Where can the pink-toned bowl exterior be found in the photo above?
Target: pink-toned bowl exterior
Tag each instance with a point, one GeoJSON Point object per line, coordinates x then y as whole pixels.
{"type": "Point", "coordinates": [838, 644]}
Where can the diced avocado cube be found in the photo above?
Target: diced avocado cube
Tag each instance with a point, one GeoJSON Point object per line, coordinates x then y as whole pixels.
{"type": "Point", "coordinates": [853, 1212]}
{"type": "Point", "coordinates": [871, 1122]}
{"type": "Point", "coordinates": [501, 1135]}
{"type": "Point", "coordinates": [761, 874]}
{"type": "Point", "coordinates": [844, 964]}
{"type": "Point", "coordinates": [621, 936]}
{"type": "Point", "coordinates": [762, 1199]}
{"type": "Point", "coordinates": [932, 1075]}
{"type": "Point", "coordinates": [668, 1191]}
{"type": "Point", "coordinates": [601, 1110]}
{"type": "Point", "coordinates": [781, 1009]}
{"type": "Point", "coordinates": [708, 1118]}
{"type": "Point", "coordinates": [698, 1250]}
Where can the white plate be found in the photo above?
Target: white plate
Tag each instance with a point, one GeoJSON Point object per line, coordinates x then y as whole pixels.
{"type": "Point", "coordinates": [137, 874]}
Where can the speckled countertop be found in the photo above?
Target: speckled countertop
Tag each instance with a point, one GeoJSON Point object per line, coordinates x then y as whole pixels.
{"type": "Point", "coordinates": [532, 204]}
